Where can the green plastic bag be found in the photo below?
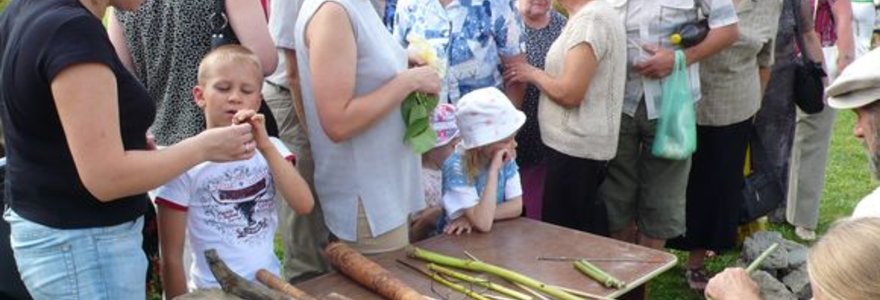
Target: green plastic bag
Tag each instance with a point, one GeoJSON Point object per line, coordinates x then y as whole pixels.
{"type": "Point", "coordinates": [676, 136]}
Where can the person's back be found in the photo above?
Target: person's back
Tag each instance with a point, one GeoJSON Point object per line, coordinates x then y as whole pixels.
{"type": "Point", "coordinates": [167, 39]}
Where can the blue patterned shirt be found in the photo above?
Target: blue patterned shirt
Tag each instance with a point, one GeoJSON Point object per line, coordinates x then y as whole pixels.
{"type": "Point", "coordinates": [460, 193]}
{"type": "Point", "coordinates": [470, 36]}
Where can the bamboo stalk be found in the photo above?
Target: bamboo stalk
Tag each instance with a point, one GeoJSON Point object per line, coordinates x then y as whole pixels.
{"type": "Point", "coordinates": [583, 294]}
{"type": "Point", "coordinates": [478, 281]}
{"type": "Point", "coordinates": [447, 283]}
{"type": "Point", "coordinates": [757, 263]}
{"type": "Point", "coordinates": [496, 297]}
{"type": "Point", "coordinates": [597, 274]}
{"type": "Point", "coordinates": [275, 283]}
{"type": "Point", "coordinates": [445, 260]}
{"type": "Point", "coordinates": [530, 291]}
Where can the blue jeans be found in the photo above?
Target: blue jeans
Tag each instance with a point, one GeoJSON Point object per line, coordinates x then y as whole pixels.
{"type": "Point", "coordinates": [91, 263]}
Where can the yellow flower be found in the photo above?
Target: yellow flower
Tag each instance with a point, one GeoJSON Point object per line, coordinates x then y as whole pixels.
{"type": "Point", "coordinates": [426, 53]}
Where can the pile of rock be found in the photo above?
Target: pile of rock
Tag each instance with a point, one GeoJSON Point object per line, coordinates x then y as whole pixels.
{"type": "Point", "coordinates": [783, 275]}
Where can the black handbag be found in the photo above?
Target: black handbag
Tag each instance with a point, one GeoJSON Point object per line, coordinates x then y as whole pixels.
{"type": "Point", "coordinates": [222, 34]}
{"type": "Point", "coordinates": [762, 189]}
{"type": "Point", "coordinates": [809, 91]}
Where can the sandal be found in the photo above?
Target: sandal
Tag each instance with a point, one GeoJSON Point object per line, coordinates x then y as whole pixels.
{"type": "Point", "coordinates": [697, 278]}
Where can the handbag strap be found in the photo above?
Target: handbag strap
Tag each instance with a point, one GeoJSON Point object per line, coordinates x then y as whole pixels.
{"type": "Point", "coordinates": [798, 30]}
{"type": "Point", "coordinates": [218, 19]}
{"type": "Point", "coordinates": [757, 150]}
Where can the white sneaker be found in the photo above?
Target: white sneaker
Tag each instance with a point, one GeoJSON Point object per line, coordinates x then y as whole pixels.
{"type": "Point", "coordinates": [805, 234]}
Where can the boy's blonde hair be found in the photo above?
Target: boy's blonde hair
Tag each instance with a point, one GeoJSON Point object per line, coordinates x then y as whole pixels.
{"type": "Point", "coordinates": [843, 264]}
{"type": "Point", "coordinates": [228, 53]}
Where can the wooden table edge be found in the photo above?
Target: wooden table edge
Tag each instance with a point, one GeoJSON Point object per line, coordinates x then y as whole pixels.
{"type": "Point", "coordinates": [647, 277]}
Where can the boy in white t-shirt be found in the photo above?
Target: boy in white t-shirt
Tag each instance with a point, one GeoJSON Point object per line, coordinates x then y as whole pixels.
{"type": "Point", "coordinates": [228, 206]}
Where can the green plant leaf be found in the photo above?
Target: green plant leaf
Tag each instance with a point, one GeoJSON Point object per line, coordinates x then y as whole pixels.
{"type": "Point", "coordinates": [423, 142]}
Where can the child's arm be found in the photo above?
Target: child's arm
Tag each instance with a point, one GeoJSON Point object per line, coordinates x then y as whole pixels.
{"type": "Point", "coordinates": [172, 231]}
{"type": "Point", "coordinates": [289, 183]}
{"type": "Point", "coordinates": [482, 215]}
{"type": "Point", "coordinates": [513, 205]}
{"type": "Point", "coordinates": [510, 209]}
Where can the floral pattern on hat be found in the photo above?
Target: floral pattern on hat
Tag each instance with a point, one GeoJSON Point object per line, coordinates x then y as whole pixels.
{"type": "Point", "coordinates": [486, 116]}
{"type": "Point", "coordinates": [443, 123]}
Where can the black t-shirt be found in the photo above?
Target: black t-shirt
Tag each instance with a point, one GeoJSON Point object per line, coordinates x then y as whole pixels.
{"type": "Point", "coordinates": [38, 39]}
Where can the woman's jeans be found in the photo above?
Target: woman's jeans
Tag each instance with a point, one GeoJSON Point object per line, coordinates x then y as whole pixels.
{"type": "Point", "coordinates": [91, 263]}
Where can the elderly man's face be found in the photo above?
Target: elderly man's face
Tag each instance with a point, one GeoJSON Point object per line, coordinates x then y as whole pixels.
{"type": "Point", "coordinates": [867, 128]}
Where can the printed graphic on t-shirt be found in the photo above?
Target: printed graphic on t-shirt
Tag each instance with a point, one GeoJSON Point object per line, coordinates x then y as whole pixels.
{"type": "Point", "coordinates": [240, 203]}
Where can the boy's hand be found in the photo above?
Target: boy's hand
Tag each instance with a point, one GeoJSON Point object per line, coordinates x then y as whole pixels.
{"type": "Point", "coordinates": [229, 143]}
{"type": "Point", "coordinates": [459, 226]}
{"type": "Point", "coordinates": [258, 123]}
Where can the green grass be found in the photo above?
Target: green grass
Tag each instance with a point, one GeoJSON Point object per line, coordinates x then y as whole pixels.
{"type": "Point", "coordinates": [847, 181]}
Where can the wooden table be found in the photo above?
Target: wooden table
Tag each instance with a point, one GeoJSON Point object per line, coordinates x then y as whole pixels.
{"type": "Point", "coordinates": [515, 245]}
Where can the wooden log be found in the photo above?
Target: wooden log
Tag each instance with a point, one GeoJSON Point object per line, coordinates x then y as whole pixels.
{"type": "Point", "coordinates": [234, 284]}
{"type": "Point", "coordinates": [273, 282]}
{"type": "Point", "coordinates": [369, 274]}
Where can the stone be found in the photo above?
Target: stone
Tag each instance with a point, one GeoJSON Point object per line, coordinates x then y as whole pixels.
{"type": "Point", "coordinates": [798, 281]}
{"type": "Point", "coordinates": [797, 254]}
{"type": "Point", "coordinates": [760, 241]}
{"type": "Point", "coordinates": [771, 289]}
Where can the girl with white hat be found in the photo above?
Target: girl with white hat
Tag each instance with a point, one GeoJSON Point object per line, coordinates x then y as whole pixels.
{"type": "Point", "coordinates": [481, 180]}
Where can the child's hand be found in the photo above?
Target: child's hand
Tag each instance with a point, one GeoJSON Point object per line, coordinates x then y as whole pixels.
{"type": "Point", "coordinates": [235, 142]}
{"type": "Point", "coordinates": [501, 157]}
{"type": "Point", "coordinates": [258, 123]}
{"type": "Point", "coordinates": [459, 226]}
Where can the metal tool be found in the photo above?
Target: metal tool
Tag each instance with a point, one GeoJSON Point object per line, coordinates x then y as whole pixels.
{"type": "Point", "coordinates": [565, 258]}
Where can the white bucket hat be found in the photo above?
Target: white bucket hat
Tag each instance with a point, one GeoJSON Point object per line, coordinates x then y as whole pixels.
{"type": "Point", "coordinates": [486, 116]}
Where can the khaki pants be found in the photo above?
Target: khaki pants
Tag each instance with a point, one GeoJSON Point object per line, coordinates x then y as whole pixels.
{"type": "Point", "coordinates": [806, 177]}
{"type": "Point", "coordinates": [642, 188]}
{"type": "Point", "coordinates": [303, 236]}
{"type": "Point", "coordinates": [367, 244]}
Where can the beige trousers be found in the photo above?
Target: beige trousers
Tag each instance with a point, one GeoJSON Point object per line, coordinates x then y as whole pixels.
{"type": "Point", "coordinates": [809, 156]}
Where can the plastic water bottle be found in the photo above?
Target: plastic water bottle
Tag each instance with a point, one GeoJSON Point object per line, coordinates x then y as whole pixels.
{"type": "Point", "coordinates": [690, 34]}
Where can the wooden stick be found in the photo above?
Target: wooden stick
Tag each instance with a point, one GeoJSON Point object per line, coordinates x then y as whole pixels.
{"type": "Point", "coordinates": [471, 256]}
{"type": "Point", "coordinates": [273, 282]}
{"type": "Point", "coordinates": [368, 273]}
{"type": "Point", "coordinates": [566, 258]}
{"type": "Point", "coordinates": [236, 285]}
{"type": "Point", "coordinates": [335, 296]}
